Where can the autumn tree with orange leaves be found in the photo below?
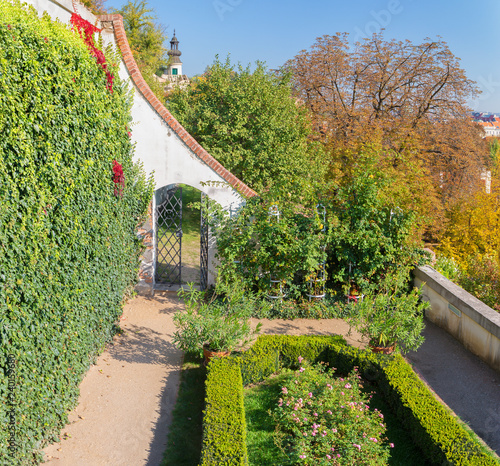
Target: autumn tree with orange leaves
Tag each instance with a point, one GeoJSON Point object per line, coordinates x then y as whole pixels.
{"type": "Point", "coordinates": [407, 101]}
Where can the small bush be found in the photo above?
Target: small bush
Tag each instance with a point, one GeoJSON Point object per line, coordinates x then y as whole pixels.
{"type": "Point", "coordinates": [322, 419]}
{"type": "Point", "coordinates": [477, 274]}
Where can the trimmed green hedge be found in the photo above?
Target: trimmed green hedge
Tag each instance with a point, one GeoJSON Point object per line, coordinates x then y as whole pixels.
{"type": "Point", "coordinates": [442, 437]}
{"type": "Point", "coordinates": [224, 427]}
{"type": "Point", "coordinates": [68, 248]}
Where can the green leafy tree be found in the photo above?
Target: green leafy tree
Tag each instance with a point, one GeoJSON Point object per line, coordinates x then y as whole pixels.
{"type": "Point", "coordinates": [146, 38]}
{"type": "Point", "coordinates": [95, 6]}
{"type": "Point", "coordinates": [250, 122]}
{"type": "Point", "coordinates": [373, 236]}
{"type": "Point", "coordinates": [494, 151]}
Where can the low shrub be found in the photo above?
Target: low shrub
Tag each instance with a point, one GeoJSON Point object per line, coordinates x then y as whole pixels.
{"type": "Point", "coordinates": [477, 274]}
{"type": "Point", "coordinates": [224, 431]}
{"type": "Point", "coordinates": [322, 419]}
{"type": "Point", "coordinates": [217, 325]}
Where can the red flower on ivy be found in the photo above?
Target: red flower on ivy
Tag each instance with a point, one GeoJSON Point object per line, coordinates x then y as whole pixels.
{"type": "Point", "coordinates": [87, 31]}
{"type": "Point", "coordinates": [118, 178]}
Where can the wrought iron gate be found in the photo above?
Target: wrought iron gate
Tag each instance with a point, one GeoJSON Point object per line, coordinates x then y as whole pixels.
{"type": "Point", "coordinates": [204, 242]}
{"type": "Point", "coordinates": [168, 217]}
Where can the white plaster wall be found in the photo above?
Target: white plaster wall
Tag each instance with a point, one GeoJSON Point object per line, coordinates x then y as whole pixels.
{"type": "Point", "coordinates": [165, 155]}
{"type": "Point", "coordinates": [61, 9]}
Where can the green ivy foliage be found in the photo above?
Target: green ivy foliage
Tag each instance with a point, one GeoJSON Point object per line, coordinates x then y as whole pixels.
{"type": "Point", "coordinates": [68, 248]}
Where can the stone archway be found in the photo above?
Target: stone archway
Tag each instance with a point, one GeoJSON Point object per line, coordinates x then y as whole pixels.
{"type": "Point", "coordinates": [162, 263]}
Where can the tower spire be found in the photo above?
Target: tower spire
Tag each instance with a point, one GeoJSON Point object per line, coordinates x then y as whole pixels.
{"type": "Point", "coordinates": [174, 67]}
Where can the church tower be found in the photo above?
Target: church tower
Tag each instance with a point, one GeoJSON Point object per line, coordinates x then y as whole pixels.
{"type": "Point", "coordinates": [174, 67]}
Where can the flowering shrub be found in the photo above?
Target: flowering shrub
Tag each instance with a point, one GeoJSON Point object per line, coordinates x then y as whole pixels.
{"type": "Point", "coordinates": [323, 420]}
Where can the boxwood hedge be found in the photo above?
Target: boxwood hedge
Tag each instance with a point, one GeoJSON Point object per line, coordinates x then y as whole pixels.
{"type": "Point", "coordinates": [68, 248]}
{"type": "Point", "coordinates": [442, 437]}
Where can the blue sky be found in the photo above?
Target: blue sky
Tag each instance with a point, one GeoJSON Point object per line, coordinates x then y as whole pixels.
{"type": "Point", "coordinates": [275, 30]}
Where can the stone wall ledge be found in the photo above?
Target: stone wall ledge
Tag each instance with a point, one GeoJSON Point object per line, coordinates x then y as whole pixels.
{"type": "Point", "coordinates": [466, 318]}
{"type": "Point", "coordinates": [479, 312]}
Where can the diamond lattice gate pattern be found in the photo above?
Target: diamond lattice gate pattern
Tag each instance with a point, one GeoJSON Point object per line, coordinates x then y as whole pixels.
{"type": "Point", "coordinates": [204, 242]}
{"type": "Point", "coordinates": [168, 217]}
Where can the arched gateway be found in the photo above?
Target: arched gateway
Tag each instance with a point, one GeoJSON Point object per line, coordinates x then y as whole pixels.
{"type": "Point", "coordinates": [163, 146]}
{"type": "Point", "coordinates": [166, 149]}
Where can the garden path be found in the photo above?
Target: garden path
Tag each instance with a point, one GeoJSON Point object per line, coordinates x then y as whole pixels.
{"type": "Point", "coordinates": [464, 382]}
{"type": "Point", "coordinates": [127, 397]}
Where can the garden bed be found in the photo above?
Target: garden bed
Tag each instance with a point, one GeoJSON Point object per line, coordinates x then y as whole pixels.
{"type": "Point", "coordinates": [433, 428]}
{"type": "Point", "coordinates": [261, 398]}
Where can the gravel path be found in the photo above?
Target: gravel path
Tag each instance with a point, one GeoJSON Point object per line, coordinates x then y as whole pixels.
{"type": "Point", "coordinates": [126, 398]}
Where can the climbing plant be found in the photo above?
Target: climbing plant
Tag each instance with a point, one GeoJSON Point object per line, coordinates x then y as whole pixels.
{"type": "Point", "coordinates": [68, 249]}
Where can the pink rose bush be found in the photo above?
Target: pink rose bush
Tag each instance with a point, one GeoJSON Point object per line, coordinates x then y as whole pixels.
{"type": "Point", "coordinates": [325, 420]}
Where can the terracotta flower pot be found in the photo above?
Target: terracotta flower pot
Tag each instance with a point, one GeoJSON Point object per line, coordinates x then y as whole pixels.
{"type": "Point", "coordinates": [376, 348]}
{"type": "Point", "coordinates": [209, 354]}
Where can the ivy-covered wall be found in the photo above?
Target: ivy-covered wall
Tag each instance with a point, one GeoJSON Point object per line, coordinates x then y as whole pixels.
{"type": "Point", "coordinates": [68, 247]}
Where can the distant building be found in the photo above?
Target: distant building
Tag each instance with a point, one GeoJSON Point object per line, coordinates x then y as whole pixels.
{"type": "Point", "coordinates": [490, 123]}
{"type": "Point", "coordinates": [486, 177]}
{"type": "Point", "coordinates": [173, 74]}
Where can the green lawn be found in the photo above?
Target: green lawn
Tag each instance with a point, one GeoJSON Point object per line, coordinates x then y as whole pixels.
{"type": "Point", "coordinates": [191, 236]}
{"type": "Point", "coordinates": [259, 399]}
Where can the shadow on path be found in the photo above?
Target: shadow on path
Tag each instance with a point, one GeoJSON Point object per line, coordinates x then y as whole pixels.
{"type": "Point", "coordinates": [143, 345]}
{"type": "Point", "coordinates": [463, 381]}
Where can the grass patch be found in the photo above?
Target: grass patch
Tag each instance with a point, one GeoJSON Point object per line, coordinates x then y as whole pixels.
{"type": "Point", "coordinates": [259, 399]}
{"type": "Point", "coordinates": [260, 443]}
{"type": "Point", "coordinates": [184, 438]}
{"type": "Point", "coordinates": [405, 452]}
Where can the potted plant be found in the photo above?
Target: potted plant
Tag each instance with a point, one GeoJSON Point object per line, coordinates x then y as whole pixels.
{"type": "Point", "coordinates": [213, 328]}
{"type": "Point", "coordinates": [389, 318]}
